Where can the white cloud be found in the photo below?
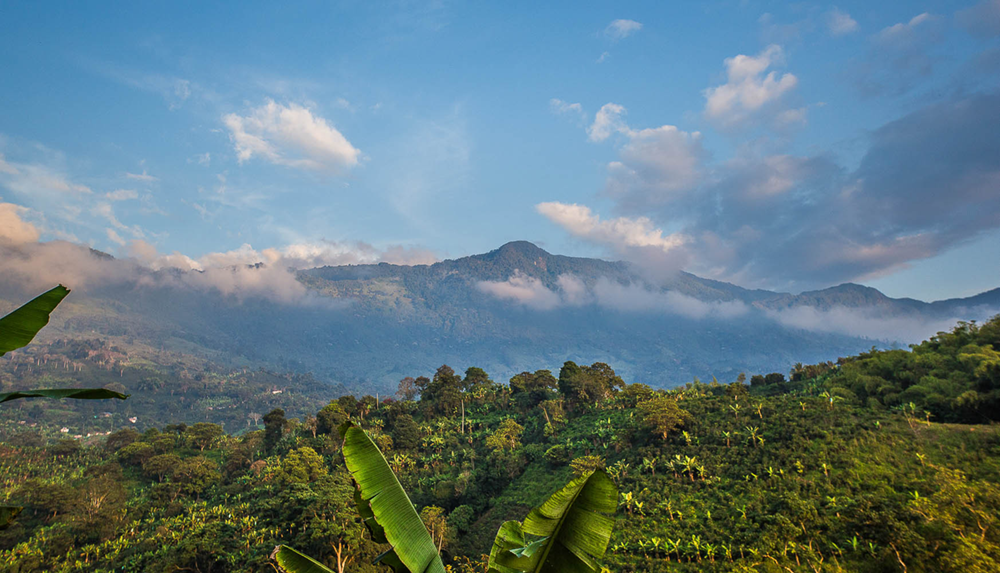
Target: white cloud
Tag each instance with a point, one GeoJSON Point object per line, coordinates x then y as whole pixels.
{"type": "Point", "coordinates": [632, 297]}
{"type": "Point", "coordinates": [122, 194]}
{"type": "Point", "coordinates": [522, 289]}
{"type": "Point", "coordinates": [203, 159]}
{"type": "Point", "coordinates": [14, 229]}
{"type": "Point", "coordinates": [620, 233]}
{"type": "Point", "coordinates": [839, 23]}
{"type": "Point", "coordinates": [621, 29]}
{"type": "Point", "coordinates": [748, 92]}
{"type": "Point", "coordinates": [602, 58]}
{"type": "Point", "coordinates": [292, 136]}
{"type": "Point", "coordinates": [608, 120]}
{"type": "Point", "coordinates": [635, 297]}
{"type": "Point", "coordinates": [559, 106]}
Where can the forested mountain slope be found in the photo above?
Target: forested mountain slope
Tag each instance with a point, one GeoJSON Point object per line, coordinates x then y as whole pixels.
{"type": "Point", "coordinates": [367, 326]}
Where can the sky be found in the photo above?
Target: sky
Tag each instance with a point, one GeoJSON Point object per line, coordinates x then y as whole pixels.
{"type": "Point", "coordinates": [789, 146]}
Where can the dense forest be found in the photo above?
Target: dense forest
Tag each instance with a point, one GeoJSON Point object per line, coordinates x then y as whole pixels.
{"type": "Point", "coordinates": [885, 461]}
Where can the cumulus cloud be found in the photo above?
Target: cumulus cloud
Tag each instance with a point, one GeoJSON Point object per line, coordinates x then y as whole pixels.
{"type": "Point", "coordinates": [622, 232]}
{"type": "Point", "coordinates": [749, 93]}
{"type": "Point", "coordinates": [655, 167]}
{"type": "Point", "coordinates": [607, 121]}
{"type": "Point", "coordinates": [290, 135]}
{"type": "Point", "coordinates": [621, 29]}
{"type": "Point", "coordinates": [839, 23]}
{"type": "Point", "coordinates": [981, 20]}
{"type": "Point", "coordinates": [13, 228]}
{"type": "Point", "coordinates": [637, 240]}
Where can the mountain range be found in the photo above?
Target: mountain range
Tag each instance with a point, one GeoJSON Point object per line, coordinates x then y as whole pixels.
{"type": "Point", "coordinates": [513, 309]}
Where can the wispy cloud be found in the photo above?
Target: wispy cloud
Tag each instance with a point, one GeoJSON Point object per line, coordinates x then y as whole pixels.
{"type": "Point", "coordinates": [122, 194]}
{"type": "Point", "coordinates": [621, 29]}
{"type": "Point", "coordinates": [840, 23]}
{"type": "Point", "coordinates": [145, 177]}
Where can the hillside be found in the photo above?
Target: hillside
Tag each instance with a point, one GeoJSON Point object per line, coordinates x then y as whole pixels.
{"type": "Point", "coordinates": [798, 474]}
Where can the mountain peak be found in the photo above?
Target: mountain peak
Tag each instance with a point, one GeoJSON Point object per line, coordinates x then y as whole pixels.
{"type": "Point", "coordinates": [522, 249]}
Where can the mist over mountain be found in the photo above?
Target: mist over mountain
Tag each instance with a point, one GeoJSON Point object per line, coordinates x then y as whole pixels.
{"type": "Point", "coordinates": [513, 309]}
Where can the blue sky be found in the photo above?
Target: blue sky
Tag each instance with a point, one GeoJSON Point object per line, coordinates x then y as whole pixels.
{"type": "Point", "coordinates": [777, 145]}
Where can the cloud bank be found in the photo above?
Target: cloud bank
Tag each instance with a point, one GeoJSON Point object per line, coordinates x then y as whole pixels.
{"type": "Point", "coordinates": [241, 273]}
{"type": "Point", "coordinates": [927, 183]}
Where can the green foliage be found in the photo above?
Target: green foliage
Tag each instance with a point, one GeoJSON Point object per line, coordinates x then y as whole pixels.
{"type": "Point", "coordinates": [955, 376]}
{"type": "Point", "coordinates": [795, 482]}
{"type": "Point", "coordinates": [569, 532]}
{"type": "Point", "coordinates": [507, 437]}
{"type": "Point", "coordinates": [302, 465]}
{"type": "Point", "coordinates": [386, 508]}
{"type": "Point", "coordinates": [19, 327]}
{"type": "Point", "coordinates": [662, 415]}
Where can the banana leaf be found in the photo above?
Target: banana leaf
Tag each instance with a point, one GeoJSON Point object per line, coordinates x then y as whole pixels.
{"type": "Point", "coordinates": [19, 327]}
{"type": "Point", "coordinates": [385, 507]}
{"type": "Point", "coordinates": [77, 393]}
{"type": "Point", "coordinates": [567, 534]}
{"type": "Point", "coordinates": [294, 562]}
{"type": "Point", "coordinates": [7, 515]}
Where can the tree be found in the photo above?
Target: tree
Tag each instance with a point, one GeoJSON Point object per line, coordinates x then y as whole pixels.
{"type": "Point", "coordinates": [663, 415]}
{"type": "Point", "coordinates": [408, 389]}
{"type": "Point", "coordinates": [195, 475]}
{"type": "Point", "coordinates": [202, 435]}
{"type": "Point", "coordinates": [330, 418]}
{"type": "Point", "coordinates": [507, 437]}
{"type": "Point", "coordinates": [136, 453]}
{"type": "Point", "coordinates": [529, 389]}
{"type": "Point", "coordinates": [443, 395]}
{"type": "Point", "coordinates": [436, 524]}
{"type": "Point", "coordinates": [120, 439]}
{"type": "Point", "coordinates": [475, 376]}
{"type": "Point", "coordinates": [161, 465]}
{"type": "Point", "coordinates": [405, 432]}
{"type": "Point", "coordinates": [302, 465]}
{"type": "Point", "coordinates": [65, 447]}
{"type": "Point", "coordinates": [349, 403]}
{"type": "Point", "coordinates": [274, 427]}
{"type": "Point", "coordinates": [588, 384]}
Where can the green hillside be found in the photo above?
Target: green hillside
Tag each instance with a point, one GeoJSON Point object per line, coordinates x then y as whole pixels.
{"type": "Point", "coordinates": [804, 473]}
